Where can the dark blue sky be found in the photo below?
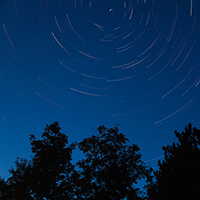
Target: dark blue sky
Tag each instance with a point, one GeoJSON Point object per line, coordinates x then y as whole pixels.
{"type": "Point", "coordinates": [88, 63]}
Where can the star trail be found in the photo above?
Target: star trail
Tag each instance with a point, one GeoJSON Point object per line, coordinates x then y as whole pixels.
{"type": "Point", "coordinates": [86, 63]}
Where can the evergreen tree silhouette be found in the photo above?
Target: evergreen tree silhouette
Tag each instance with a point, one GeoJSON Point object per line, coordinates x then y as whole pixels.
{"type": "Point", "coordinates": [179, 173]}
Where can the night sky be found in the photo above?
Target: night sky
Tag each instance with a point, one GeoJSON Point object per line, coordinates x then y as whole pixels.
{"type": "Point", "coordinates": [86, 63]}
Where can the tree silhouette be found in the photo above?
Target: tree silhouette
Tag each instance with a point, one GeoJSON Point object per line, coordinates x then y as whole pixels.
{"type": "Point", "coordinates": [18, 185]}
{"type": "Point", "coordinates": [51, 165]}
{"type": "Point", "coordinates": [109, 170]}
{"type": "Point", "coordinates": [179, 173]}
{"type": "Point", "coordinates": [48, 175]}
{"type": "Point", "coordinates": [4, 190]}
{"type": "Point", "coordinates": [110, 167]}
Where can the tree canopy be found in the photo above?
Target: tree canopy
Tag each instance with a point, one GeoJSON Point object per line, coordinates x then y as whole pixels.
{"type": "Point", "coordinates": [48, 175]}
{"type": "Point", "coordinates": [178, 174]}
{"type": "Point", "coordinates": [109, 170]}
{"type": "Point", "coordinates": [111, 167]}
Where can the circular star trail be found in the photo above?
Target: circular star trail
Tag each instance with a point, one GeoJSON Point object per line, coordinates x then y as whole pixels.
{"type": "Point", "coordinates": [86, 63]}
{"type": "Point", "coordinates": [131, 57]}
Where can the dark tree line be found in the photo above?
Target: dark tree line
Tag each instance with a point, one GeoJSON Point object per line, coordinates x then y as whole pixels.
{"type": "Point", "coordinates": [109, 170]}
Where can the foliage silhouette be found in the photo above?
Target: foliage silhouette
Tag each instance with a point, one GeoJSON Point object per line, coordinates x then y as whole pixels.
{"type": "Point", "coordinates": [48, 175]}
{"type": "Point", "coordinates": [110, 169]}
{"type": "Point", "coordinates": [51, 165]}
{"type": "Point", "coordinates": [179, 173]}
{"type": "Point", "coordinates": [18, 185]}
